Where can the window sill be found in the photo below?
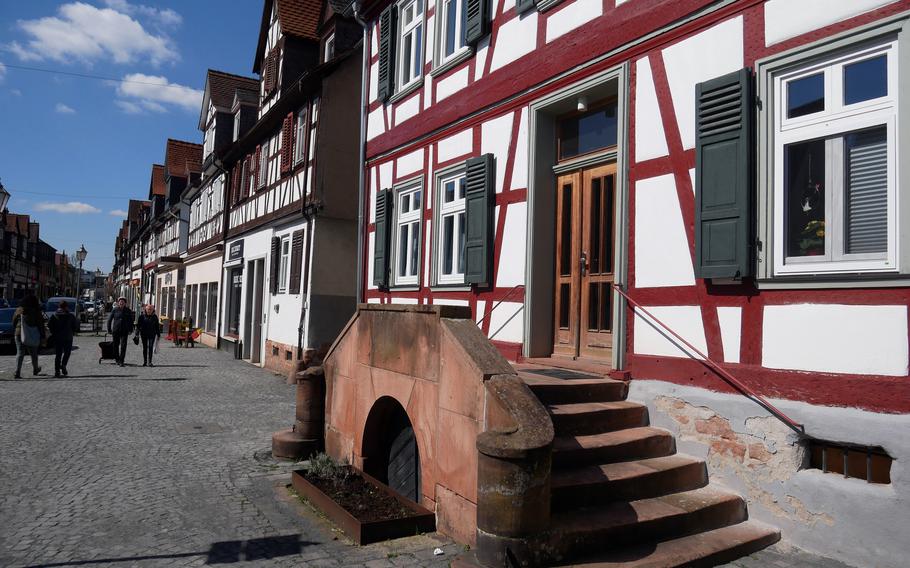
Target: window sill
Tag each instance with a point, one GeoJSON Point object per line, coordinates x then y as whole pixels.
{"type": "Point", "coordinates": [465, 54]}
{"type": "Point", "coordinates": [405, 91]}
{"type": "Point", "coordinates": [405, 288]}
{"type": "Point", "coordinates": [834, 282]}
{"type": "Point", "coordinates": [450, 288]}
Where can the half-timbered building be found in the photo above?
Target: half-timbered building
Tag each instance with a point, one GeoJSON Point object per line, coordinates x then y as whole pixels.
{"type": "Point", "coordinates": [290, 253]}
{"type": "Point", "coordinates": [731, 167]}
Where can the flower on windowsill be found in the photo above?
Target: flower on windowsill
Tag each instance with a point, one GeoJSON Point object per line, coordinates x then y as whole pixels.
{"type": "Point", "coordinates": [812, 238]}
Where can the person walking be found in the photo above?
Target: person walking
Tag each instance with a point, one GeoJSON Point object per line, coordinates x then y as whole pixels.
{"type": "Point", "coordinates": [62, 325]}
{"type": "Point", "coordinates": [120, 326]}
{"type": "Point", "coordinates": [149, 329]}
{"type": "Point", "coordinates": [28, 322]}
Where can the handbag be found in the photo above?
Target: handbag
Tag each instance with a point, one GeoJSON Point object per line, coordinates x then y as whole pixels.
{"type": "Point", "coordinates": [30, 335]}
{"type": "Point", "coordinates": [136, 339]}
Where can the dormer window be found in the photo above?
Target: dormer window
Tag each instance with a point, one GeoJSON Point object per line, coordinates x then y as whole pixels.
{"type": "Point", "coordinates": [328, 52]}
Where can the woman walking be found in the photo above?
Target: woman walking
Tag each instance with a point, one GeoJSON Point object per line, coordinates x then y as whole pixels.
{"type": "Point", "coordinates": [149, 328]}
{"type": "Point", "coordinates": [28, 322]}
{"type": "Point", "coordinates": [62, 325]}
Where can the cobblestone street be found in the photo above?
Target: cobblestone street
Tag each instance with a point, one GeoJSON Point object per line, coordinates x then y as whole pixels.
{"type": "Point", "coordinates": [163, 466]}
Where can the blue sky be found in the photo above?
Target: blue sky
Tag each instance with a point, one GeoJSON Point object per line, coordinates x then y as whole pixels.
{"type": "Point", "coordinates": [73, 150]}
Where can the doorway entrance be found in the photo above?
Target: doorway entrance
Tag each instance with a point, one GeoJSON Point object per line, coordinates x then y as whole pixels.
{"type": "Point", "coordinates": [585, 247]}
{"type": "Point", "coordinates": [252, 347]}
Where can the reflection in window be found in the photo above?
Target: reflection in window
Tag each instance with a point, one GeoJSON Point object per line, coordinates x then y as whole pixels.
{"type": "Point", "coordinates": [866, 80]}
{"type": "Point", "coordinates": [452, 224]}
{"type": "Point", "coordinates": [584, 133]}
{"type": "Point", "coordinates": [407, 247]}
{"type": "Point", "coordinates": [806, 95]}
{"type": "Point", "coordinates": [805, 198]}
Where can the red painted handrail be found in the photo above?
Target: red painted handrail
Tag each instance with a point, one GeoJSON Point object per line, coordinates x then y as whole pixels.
{"type": "Point", "coordinates": [724, 374]}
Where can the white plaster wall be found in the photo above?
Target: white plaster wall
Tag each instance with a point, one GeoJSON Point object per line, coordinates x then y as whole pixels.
{"type": "Point", "coordinates": [709, 54]}
{"type": "Point", "coordinates": [374, 82]}
{"type": "Point", "coordinates": [456, 146]}
{"type": "Point", "coordinates": [495, 137]}
{"type": "Point", "coordinates": [480, 57]}
{"type": "Point", "coordinates": [450, 302]}
{"type": "Point", "coordinates": [452, 84]}
{"type": "Point", "coordinates": [282, 325]}
{"type": "Point", "coordinates": [507, 322]}
{"type": "Point", "coordinates": [836, 338]}
{"type": "Point", "coordinates": [397, 300]}
{"type": "Point", "coordinates": [572, 16]}
{"type": "Point", "coordinates": [650, 140]}
{"type": "Point", "coordinates": [520, 167]}
{"type": "Point", "coordinates": [481, 306]}
{"type": "Point", "coordinates": [662, 256]}
{"type": "Point", "coordinates": [385, 176]}
{"type": "Point", "coordinates": [651, 338]}
{"type": "Point", "coordinates": [410, 163]}
{"type": "Point", "coordinates": [375, 124]}
{"type": "Point", "coordinates": [371, 249]}
{"type": "Point", "coordinates": [730, 319]}
{"type": "Point", "coordinates": [205, 271]}
{"type": "Point", "coordinates": [407, 108]}
{"type": "Point", "coordinates": [512, 256]}
{"type": "Point", "coordinates": [858, 523]}
{"type": "Point", "coordinates": [785, 18]}
{"type": "Point", "coordinates": [517, 38]}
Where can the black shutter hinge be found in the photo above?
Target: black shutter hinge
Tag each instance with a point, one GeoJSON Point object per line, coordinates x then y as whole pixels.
{"type": "Point", "coordinates": [758, 103]}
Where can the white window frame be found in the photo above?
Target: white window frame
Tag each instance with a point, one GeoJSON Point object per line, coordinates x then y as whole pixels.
{"type": "Point", "coordinates": [300, 136]}
{"type": "Point", "coordinates": [284, 264]}
{"type": "Point", "coordinates": [403, 73]}
{"type": "Point", "coordinates": [831, 124]}
{"type": "Point", "coordinates": [411, 220]}
{"type": "Point", "coordinates": [328, 51]}
{"type": "Point", "coordinates": [456, 209]}
{"type": "Point", "coordinates": [263, 173]}
{"type": "Point", "coordinates": [443, 33]}
{"type": "Point", "coordinates": [210, 139]}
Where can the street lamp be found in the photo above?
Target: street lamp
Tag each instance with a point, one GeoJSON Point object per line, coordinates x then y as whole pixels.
{"type": "Point", "coordinates": [80, 256]}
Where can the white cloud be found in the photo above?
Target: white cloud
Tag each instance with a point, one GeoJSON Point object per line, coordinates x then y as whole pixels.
{"type": "Point", "coordinates": [2, 72]}
{"type": "Point", "coordinates": [165, 17]}
{"type": "Point", "coordinates": [86, 33]}
{"type": "Point", "coordinates": [154, 94]}
{"type": "Point", "coordinates": [15, 92]}
{"type": "Point", "coordinates": [118, 213]}
{"type": "Point", "coordinates": [75, 207]}
{"type": "Point", "coordinates": [64, 109]}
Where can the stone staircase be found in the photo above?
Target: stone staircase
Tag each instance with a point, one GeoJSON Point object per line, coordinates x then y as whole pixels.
{"type": "Point", "coordinates": [621, 495]}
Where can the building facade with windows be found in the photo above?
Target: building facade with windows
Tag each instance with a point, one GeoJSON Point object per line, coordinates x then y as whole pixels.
{"type": "Point", "coordinates": [290, 250]}
{"type": "Point", "coordinates": [733, 166]}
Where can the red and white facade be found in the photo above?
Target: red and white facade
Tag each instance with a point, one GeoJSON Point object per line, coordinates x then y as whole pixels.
{"type": "Point", "coordinates": [828, 338]}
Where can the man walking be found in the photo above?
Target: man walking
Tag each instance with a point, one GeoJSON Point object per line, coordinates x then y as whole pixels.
{"type": "Point", "coordinates": [62, 325]}
{"type": "Point", "coordinates": [120, 326]}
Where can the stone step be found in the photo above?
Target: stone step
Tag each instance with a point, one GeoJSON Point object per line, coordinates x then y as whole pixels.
{"type": "Point", "coordinates": [563, 391]}
{"type": "Point", "coordinates": [579, 532]}
{"type": "Point", "coordinates": [610, 447]}
{"type": "Point", "coordinates": [626, 481]}
{"type": "Point", "coordinates": [709, 548]}
{"type": "Point", "coordinates": [581, 419]}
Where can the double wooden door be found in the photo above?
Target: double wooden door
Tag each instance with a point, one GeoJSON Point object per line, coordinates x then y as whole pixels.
{"type": "Point", "coordinates": [583, 303]}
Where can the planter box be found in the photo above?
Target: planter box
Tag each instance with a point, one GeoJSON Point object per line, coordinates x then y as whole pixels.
{"type": "Point", "coordinates": [365, 532]}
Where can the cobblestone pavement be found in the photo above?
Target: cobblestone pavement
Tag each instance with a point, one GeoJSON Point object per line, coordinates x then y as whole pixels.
{"type": "Point", "coordinates": [782, 555]}
{"type": "Point", "coordinates": [163, 466]}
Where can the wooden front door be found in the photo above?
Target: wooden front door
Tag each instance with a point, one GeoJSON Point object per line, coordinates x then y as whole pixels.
{"type": "Point", "coordinates": [583, 313]}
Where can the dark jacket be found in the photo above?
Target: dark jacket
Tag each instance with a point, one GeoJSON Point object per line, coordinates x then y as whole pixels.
{"type": "Point", "coordinates": [120, 321]}
{"type": "Point", "coordinates": [148, 325]}
{"type": "Point", "coordinates": [63, 325]}
{"type": "Point", "coordinates": [35, 319]}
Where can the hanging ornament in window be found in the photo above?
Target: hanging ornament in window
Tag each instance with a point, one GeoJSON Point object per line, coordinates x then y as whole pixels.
{"type": "Point", "coordinates": [812, 193]}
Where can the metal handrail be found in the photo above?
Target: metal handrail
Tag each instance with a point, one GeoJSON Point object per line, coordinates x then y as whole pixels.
{"type": "Point", "coordinates": [724, 374]}
{"type": "Point", "coordinates": [504, 298]}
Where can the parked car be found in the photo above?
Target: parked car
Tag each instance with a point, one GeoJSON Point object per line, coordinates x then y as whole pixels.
{"type": "Point", "coordinates": [52, 304]}
{"type": "Point", "coordinates": [4, 303]}
{"type": "Point", "coordinates": [7, 333]}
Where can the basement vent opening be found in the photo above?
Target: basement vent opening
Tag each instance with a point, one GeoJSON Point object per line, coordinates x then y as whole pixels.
{"type": "Point", "coordinates": [860, 462]}
{"type": "Point", "coordinates": [274, 351]}
{"type": "Point", "coordinates": [288, 355]}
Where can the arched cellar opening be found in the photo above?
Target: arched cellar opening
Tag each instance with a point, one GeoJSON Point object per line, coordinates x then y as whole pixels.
{"type": "Point", "coordinates": [390, 451]}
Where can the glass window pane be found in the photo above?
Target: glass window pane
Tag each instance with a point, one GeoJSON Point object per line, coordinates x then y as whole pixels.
{"type": "Point", "coordinates": [805, 198]}
{"type": "Point", "coordinates": [449, 194]}
{"type": "Point", "coordinates": [416, 203]}
{"type": "Point", "coordinates": [565, 253]}
{"type": "Point", "coordinates": [866, 202]}
{"type": "Point", "coordinates": [406, 203]}
{"type": "Point", "coordinates": [806, 95]}
{"type": "Point", "coordinates": [448, 236]}
{"type": "Point", "coordinates": [415, 243]}
{"type": "Point", "coordinates": [417, 49]}
{"type": "Point", "coordinates": [406, 60]}
{"type": "Point", "coordinates": [866, 80]}
{"type": "Point", "coordinates": [461, 236]}
{"type": "Point", "coordinates": [461, 183]}
{"type": "Point", "coordinates": [588, 132]}
{"type": "Point", "coordinates": [403, 251]}
{"type": "Point", "coordinates": [451, 7]}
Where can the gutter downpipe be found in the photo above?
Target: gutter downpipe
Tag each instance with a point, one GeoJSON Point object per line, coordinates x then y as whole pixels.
{"type": "Point", "coordinates": [361, 190]}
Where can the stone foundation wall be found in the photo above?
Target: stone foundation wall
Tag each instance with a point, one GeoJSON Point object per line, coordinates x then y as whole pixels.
{"type": "Point", "coordinates": [279, 362]}
{"type": "Point", "coordinates": [755, 454]}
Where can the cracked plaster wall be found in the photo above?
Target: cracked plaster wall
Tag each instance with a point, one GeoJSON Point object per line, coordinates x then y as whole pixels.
{"type": "Point", "coordinates": [758, 456]}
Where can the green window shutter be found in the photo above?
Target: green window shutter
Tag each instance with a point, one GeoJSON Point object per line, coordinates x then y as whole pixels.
{"type": "Point", "coordinates": [383, 230]}
{"type": "Point", "coordinates": [477, 20]}
{"type": "Point", "coordinates": [480, 200]}
{"type": "Point", "coordinates": [522, 6]}
{"type": "Point", "coordinates": [387, 32]}
{"type": "Point", "coordinates": [724, 174]}
{"type": "Point", "coordinates": [276, 259]}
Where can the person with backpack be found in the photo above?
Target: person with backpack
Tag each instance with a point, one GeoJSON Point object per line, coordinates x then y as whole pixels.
{"type": "Point", "coordinates": [62, 326]}
{"type": "Point", "coordinates": [28, 322]}
{"type": "Point", "coordinates": [148, 327]}
{"type": "Point", "coordinates": [120, 325]}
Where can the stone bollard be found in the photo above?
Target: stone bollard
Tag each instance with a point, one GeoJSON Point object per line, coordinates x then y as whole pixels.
{"type": "Point", "coordinates": [307, 435]}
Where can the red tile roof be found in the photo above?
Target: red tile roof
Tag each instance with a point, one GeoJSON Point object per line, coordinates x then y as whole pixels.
{"type": "Point", "coordinates": [18, 223]}
{"type": "Point", "coordinates": [157, 185]}
{"type": "Point", "coordinates": [178, 153]}
{"type": "Point", "coordinates": [299, 18]}
{"type": "Point", "coordinates": [222, 87]}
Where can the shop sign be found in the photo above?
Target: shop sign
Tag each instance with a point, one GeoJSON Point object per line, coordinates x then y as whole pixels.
{"type": "Point", "coordinates": [236, 250]}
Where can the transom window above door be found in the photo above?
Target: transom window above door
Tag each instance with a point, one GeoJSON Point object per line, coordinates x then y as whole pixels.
{"type": "Point", "coordinates": [587, 131]}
